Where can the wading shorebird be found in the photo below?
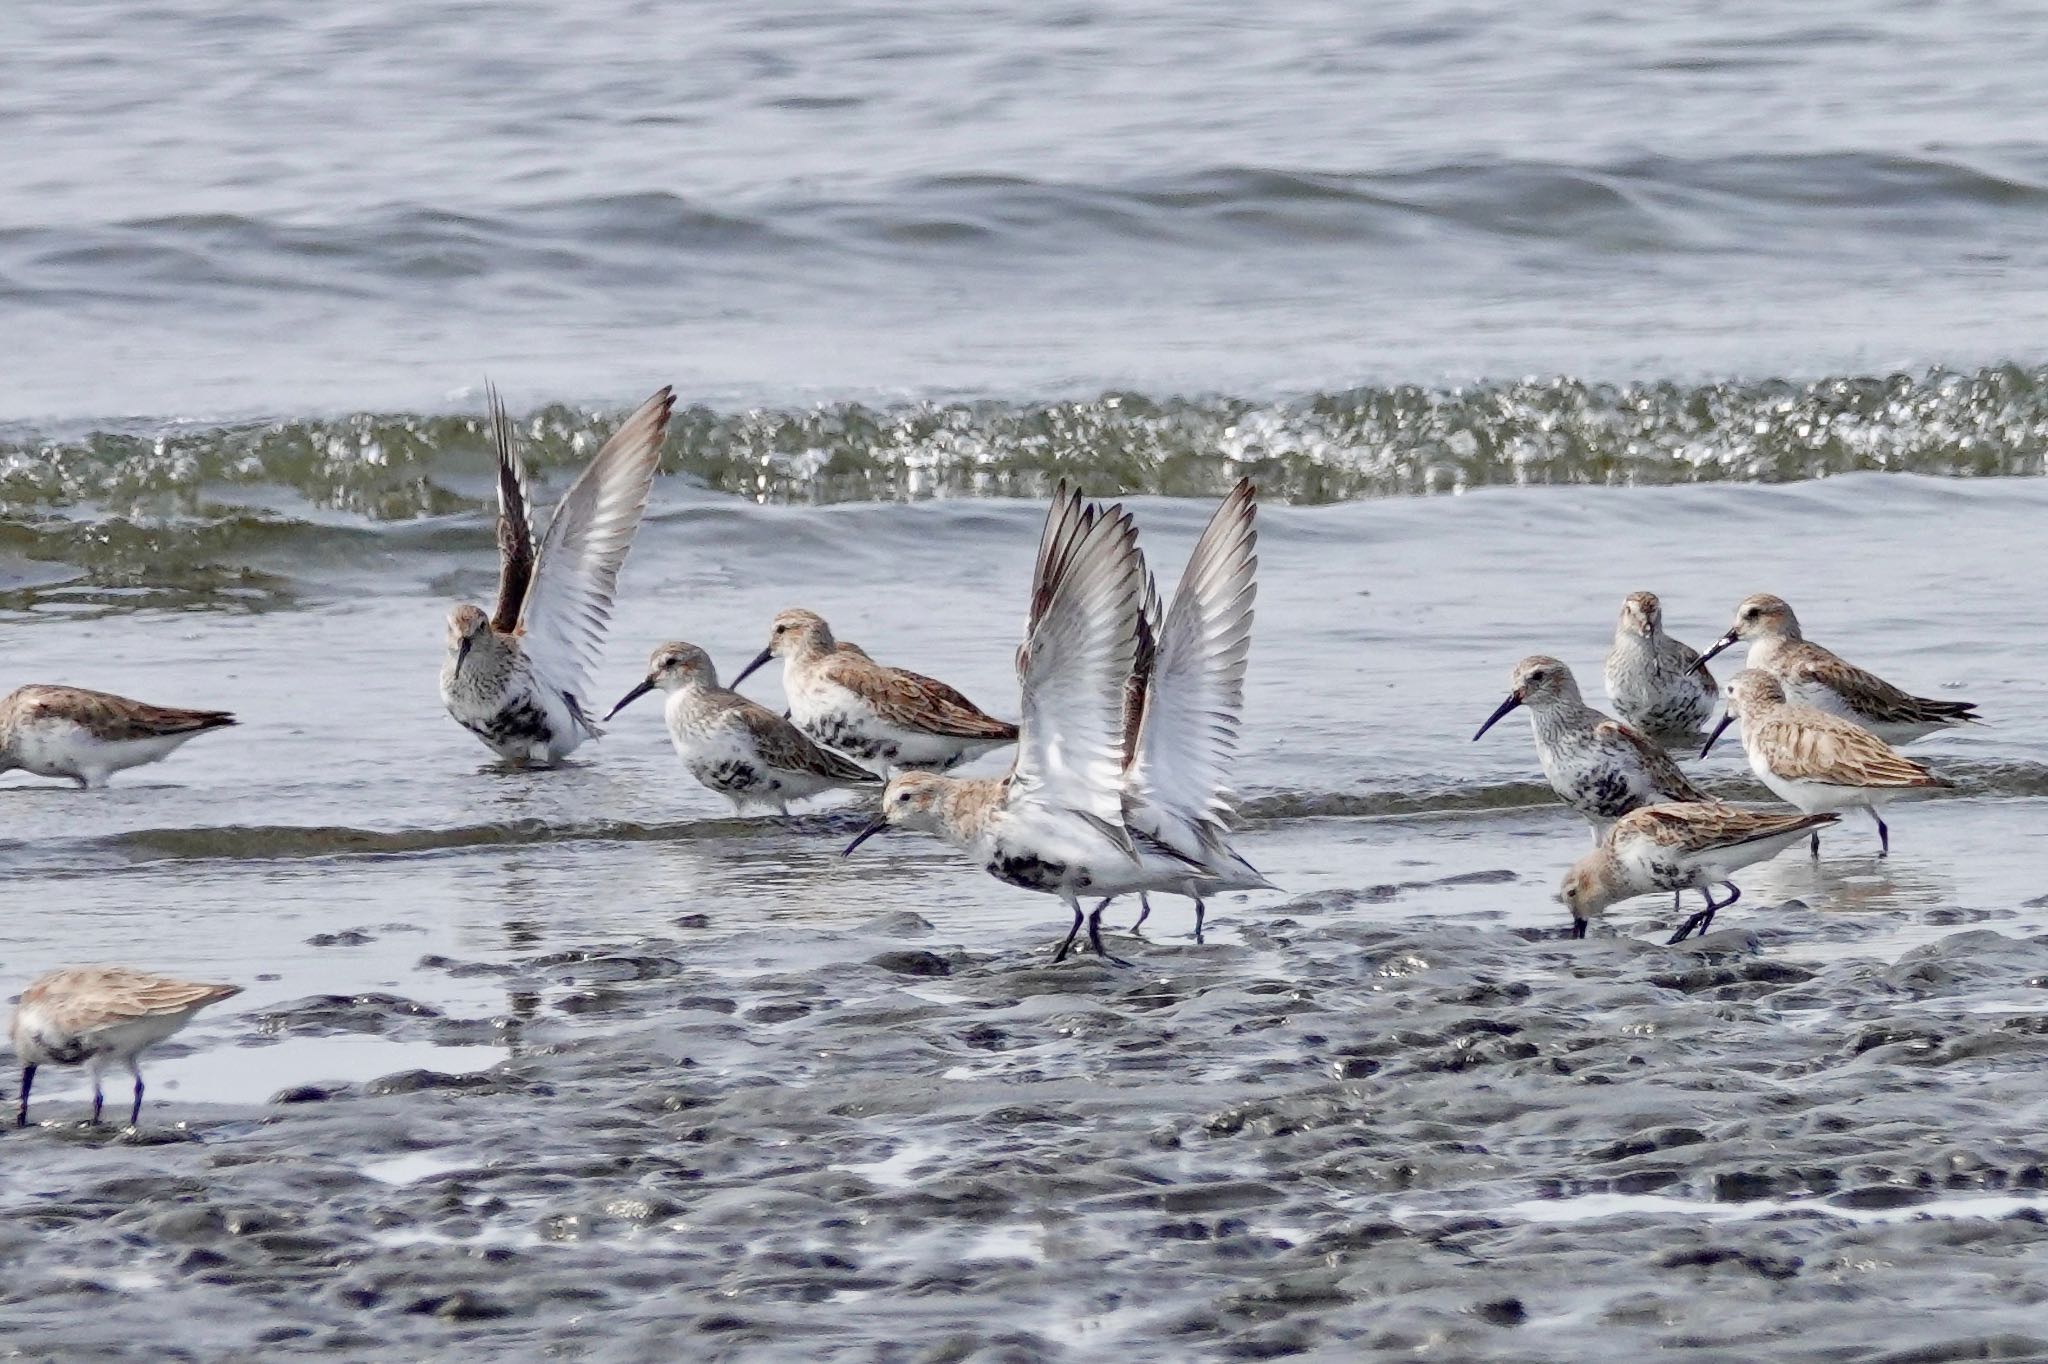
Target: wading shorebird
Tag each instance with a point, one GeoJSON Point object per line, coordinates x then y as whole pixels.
{"type": "Point", "coordinates": [886, 718]}
{"type": "Point", "coordinates": [90, 735]}
{"type": "Point", "coordinates": [1657, 684]}
{"type": "Point", "coordinates": [1600, 767]}
{"type": "Point", "coordinates": [1813, 676]}
{"type": "Point", "coordinates": [1678, 848]}
{"type": "Point", "coordinates": [1055, 823]}
{"type": "Point", "coordinates": [1815, 760]}
{"type": "Point", "coordinates": [1182, 710]}
{"type": "Point", "coordinates": [515, 678]}
{"type": "Point", "coordinates": [93, 1015]}
{"type": "Point", "coordinates": [743, 751]}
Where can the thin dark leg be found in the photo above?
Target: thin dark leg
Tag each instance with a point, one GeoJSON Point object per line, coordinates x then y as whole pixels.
{"type": "Point", "coordinates": [28, 1079]}
{"type": "Point", "coordinates": [1095, 936]}
{"type": "Point", "coordinates": [1884, 835]}
{"type": "Point", "coordinates": [1699, 922]}
{"type": "Point", "coordinates": [1200, 910]}
{"type": "Point", "coordinates": [1144, 910]}
{"type": "Point", "coordinates": [135, 1113]}
{"type": "Point", "coordinates": [98, 1101]}
{"type": "Point", "coordinates": [1815, 845]}
{"type": "Point", "coordinates": [1068, 945]}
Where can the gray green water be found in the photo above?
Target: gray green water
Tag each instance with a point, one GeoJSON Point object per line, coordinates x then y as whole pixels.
{"type": "Point", "coordinates": [1509, 313]}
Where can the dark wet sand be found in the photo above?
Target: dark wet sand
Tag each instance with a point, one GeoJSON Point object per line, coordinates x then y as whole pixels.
{"type": "Point", "coordinates": [1335, 1137]}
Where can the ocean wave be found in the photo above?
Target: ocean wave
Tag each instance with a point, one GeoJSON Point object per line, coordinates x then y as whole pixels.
{"type": "Point", "coordinates": [1784, 205]}
{"type": "Point", "coordinates": [144, 493]}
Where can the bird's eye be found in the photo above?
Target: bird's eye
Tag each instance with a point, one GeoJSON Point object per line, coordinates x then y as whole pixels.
{"type": "Point", "coordinates": [782, 629]}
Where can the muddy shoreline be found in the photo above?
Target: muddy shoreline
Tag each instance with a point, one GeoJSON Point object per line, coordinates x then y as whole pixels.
{"type": "Point", "coordinates": [1338, 1137]}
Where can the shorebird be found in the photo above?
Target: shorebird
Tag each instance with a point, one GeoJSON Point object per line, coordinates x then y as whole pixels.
{"type": "Point", "coordinates": [887, 718]}
{"type": "Point", "coordinates": [1182, 706]}
{"type": "Point", "coordinates": [1054, 824]}
{"type": "Point", "coordinates": [1816, 677]}
{"type": "Point", "coordinates": [1816, 760]}
{"type": "Point", "coordinates": [1657, 684]}
{"type": "Point", "coordinates": [1680, 847]}
{"type": "Point", "coordinates": [90, 735]}
{"type": "Point", "coordinates": [515, 678]}
{"type": "Point", "coordinates": [1599, 766]}
{"type": "Point", "coordinates": [97, 1014]}
{"type": "Point", "coordinates": [743, 751]}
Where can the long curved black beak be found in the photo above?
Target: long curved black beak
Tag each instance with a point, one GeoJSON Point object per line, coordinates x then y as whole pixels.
{"type": "Point", "coordinates": [879, 826]}
{"type": "Point", "coordinates": [760, 661]}
{"type": "Point", "coordinates": [1719, 644]}
{"type": "Point", "coordinates": [462, 651]}
{"type": "Point", "coordinates": [1514, 699]}
{"type": "Point", "coordinates": [1578, 928]}
{"type": "Point", "coordinates": [630, 697]}
{"type": "Point", "coordinates": [1727, 719]}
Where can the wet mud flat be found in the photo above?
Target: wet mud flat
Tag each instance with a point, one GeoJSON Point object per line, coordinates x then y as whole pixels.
{"type": "Point", "coordinates": [1344, 1135]}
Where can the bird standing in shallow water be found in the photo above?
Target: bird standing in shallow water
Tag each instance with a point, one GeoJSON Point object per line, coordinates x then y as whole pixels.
{"type": "Point", "coordinates": [1055, 823]}
{"type": "Point", "coordinates": [90, 735]}
{"type": "Point", "coordinates": [515, 678]}
{"type": "Point", "coordinates": [887, 718]}
{"type": "Point", "coordinates": [743, 751]}
{"type": "Point", "coordinates": [1816, 677]}
{"type": "Point", "coordinates": [1818, 761]}
{"type": "Point", "coordinates": [92, 1015]}
{"type": "Point", "coordinates": [1598, 766]}
{"type": "Point", "coordinates": [1655, 683]}
{"type": "Point", "coordinates": [1678, 848]}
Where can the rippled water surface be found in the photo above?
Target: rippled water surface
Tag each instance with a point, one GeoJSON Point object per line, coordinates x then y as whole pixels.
{"type": "Point", "coordinates": [265, 210]}
{"type": "Point", "coordinates": [1509, 312]}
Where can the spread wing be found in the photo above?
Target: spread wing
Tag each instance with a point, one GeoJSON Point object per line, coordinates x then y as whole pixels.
{"type": "Point", "coordinates": [1697, 828]}
{"type": "Point", "coordinates": [1812, 745]}
{"type": "Point", "coordinates": [515, 521]}
{"type": "Point", "coordinates": [1671, 783]}
{"type": "Point", "coordinates": [1150, 620]}
{"type": "Point", "coordinates": [1187, 733]}
{"type": "Point", "coordinates": [1065, 523]}
{"type": "Point", "coordinates": [576, 568]}
{"type": "Point", "coordinates": [1075, 660]}
{"type": "Point", "coordinates": [1870, 694]}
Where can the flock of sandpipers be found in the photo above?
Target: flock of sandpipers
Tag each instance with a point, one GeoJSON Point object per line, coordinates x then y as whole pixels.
{"type": "Point", "coordinates": [1127, 733]}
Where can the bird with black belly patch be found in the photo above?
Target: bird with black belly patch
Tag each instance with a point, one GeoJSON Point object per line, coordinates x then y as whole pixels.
{"type": "Point", "coordinates": [1600, 767]}
{"type": "Point", "coordinates": [1656, 683]}
{"type": "Point", "coordinates": [515, 678]}
{"type": "Point", "coordinates": [742, 750]}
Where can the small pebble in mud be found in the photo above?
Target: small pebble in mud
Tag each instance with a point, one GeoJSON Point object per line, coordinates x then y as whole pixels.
{"type": "Point", "coordinates": [308, 1094]}
{"type": "Point", "coordinates": [913, 963]}
{"type": "Point", "coordinates": [348, 937]}
{"type": "Point", "coordinates": [692, 921]}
